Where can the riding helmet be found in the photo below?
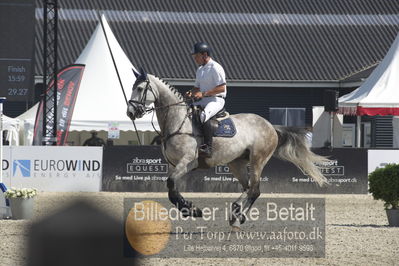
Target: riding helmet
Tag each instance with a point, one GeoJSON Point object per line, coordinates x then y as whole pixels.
{"type": "Point", "coordinates": [201, 47]}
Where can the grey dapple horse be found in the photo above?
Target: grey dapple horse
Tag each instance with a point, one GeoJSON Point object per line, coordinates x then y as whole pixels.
{"type": "Point", "coordinates": [255, 141]}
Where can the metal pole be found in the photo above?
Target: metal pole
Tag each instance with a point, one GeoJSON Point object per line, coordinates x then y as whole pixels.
{"type": "Point", "coordinates": [44, 67]}
{"type": "Point", "coordinates": [117, 73]}
{"type": "Point", "coordinates": [331, 129]}
{"type": "Point", "coordinates": [50, 15]}
{"type": "Point", "coordinates": [2, 99]}
{"type": "Point", "coordinates": [358, 131]}
{"type": "Point", "coordinates": [55, 69]}
{"type": "Point", "coordinates": [112, 57]}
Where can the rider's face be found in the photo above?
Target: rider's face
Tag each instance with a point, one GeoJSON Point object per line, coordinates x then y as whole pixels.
{"type": "Point", "coordinates": [199, 58]}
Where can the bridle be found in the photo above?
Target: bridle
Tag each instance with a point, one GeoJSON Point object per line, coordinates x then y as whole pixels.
{"type": "Point", "coordinates": [140, 105]}
{"type": "Point", "coordinates": [143, 109]}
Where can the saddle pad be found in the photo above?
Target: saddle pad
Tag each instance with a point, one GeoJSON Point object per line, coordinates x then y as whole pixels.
{"type": "Point", "coordinates": [226, 128]}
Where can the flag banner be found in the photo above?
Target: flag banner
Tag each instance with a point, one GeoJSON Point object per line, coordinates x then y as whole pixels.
{"type": "Point", "coordinates": [68, 82]}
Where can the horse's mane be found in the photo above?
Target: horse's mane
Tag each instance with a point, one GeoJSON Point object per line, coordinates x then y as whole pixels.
{"type": "Point", "coordinates": [173, 89]}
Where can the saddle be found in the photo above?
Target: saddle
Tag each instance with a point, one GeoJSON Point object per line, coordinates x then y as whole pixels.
{"type": "Point", "coordinates": [222, 124]}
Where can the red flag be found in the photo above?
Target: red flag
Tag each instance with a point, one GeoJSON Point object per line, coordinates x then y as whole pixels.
{"type": "Point", "coordinates": [68, 87]}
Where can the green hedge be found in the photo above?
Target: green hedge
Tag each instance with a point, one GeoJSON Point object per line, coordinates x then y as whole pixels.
{"type": "Point", "coordinates": [384, 185]}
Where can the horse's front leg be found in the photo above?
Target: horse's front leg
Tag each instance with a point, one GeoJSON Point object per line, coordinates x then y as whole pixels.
{"type": "Point", "coordinates": [184, 166]}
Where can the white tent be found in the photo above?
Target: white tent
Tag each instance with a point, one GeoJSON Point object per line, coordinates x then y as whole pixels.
{"type": "Point", "coordinates": [11, 126]}
{"type": "Point", "coordinates": [322, 128]}
{"type": "Point", "coordinates": [26, 125]}
{"type": "Point", "coordinates": [100, 98]}
{"type": "Point", "coordinates": [379, 94]}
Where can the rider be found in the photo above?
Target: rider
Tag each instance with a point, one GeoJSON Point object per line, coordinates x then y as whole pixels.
{"type": "Point", "coordinates": [209, 89]}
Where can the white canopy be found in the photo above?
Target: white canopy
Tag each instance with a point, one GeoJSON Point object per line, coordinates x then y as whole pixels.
{"type": "Point", "coordinates": [379, 94]}
{"type": "Point", "coordinates": [100, 98]}
{"type": "Point", "coordinates": [26, 125]}
{"type": "Point", "coordinates": [11, 125]}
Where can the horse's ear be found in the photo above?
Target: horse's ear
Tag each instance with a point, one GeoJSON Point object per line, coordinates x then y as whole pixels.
{"type": "Point", "coordinates": [136, 74]}
{"type": "Point", "coordinates": [143, 74]}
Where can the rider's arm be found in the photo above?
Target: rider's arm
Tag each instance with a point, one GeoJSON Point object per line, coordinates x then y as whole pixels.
{"type": "Point", "coordinates": [192, 92]}
{"type": "Point", "coordinates": [217, 76]}
{"type": "Point", "coordinates": [196, 93]}
{"type": "Point", "coordinates": [218, 89]}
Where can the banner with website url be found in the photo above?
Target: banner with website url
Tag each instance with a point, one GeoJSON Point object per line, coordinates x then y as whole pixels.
{"type": "Point", "coordinates": [68, 82]}
{"type": "Point", "coordinates": [273, 228]}
{"type": "Point", "coordinates": [144, 168]}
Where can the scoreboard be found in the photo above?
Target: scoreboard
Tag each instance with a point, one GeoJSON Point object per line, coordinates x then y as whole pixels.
{"type": "Point", "coordinates": [17, 44]}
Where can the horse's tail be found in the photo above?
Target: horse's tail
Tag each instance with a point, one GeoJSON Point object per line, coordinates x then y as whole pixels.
{"type": "Point", "coordinates": [292, 146]}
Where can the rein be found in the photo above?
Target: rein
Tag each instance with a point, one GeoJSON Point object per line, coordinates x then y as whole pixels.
{"type": "Point", "coordinates": [144, 98]}
{"type": "Point", "coordinates": [141, 104]}
{"type": "Point", "coordinates": [177, 132]}
{"type": "Point", "coordinates": [182, 103]}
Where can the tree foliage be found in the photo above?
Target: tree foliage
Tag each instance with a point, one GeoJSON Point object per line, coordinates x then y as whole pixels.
{"type": "Point", "coordinates": [384, 185]}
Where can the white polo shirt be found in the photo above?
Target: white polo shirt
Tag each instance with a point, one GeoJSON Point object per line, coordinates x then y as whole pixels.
{"type": "Point", "coordinates": [210, 76]}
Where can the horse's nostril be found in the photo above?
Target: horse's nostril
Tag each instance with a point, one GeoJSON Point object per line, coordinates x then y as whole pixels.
{"type": "Point", "coordinates": [130, 114]}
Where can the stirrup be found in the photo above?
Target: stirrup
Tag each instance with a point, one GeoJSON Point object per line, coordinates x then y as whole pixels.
{"type": "Point", "coordinates": [206, 150]}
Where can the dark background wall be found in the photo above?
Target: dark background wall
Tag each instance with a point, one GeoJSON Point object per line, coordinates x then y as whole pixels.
{"type": "Point", "coordinates": [258, 100]}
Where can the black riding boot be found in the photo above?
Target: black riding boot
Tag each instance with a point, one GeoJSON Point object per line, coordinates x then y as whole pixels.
{"type": "Point", "coordinates": [206, 148]}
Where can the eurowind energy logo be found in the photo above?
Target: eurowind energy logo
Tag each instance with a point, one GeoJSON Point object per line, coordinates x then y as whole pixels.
{"type": "Point", "coordinates": [23, 166]}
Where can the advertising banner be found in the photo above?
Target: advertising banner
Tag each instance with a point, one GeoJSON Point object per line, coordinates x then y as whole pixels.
{"type": "Point", "coordinates": [273, 228]}
{"type": "Point", "coordinates": [6, 165]}
{"type": "Point", "coordinates": [145, 169]}
{"type": "Point", "coordinates": [347, 174]}
{"type": "Point", "coordinates": [51, 168]}
{"type": "Point", "coordinates": [113, 130]}
{"type": "Point", "coordinates": [134, 168]}
{"type": "Point", "coordinates": [68, 86]}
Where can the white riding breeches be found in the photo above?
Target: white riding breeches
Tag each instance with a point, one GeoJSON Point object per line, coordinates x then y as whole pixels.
{"type": "Point", "coordinates": [211, 105]}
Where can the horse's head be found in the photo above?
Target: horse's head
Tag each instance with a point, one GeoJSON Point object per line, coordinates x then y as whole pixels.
{"type": "Point", "coordinates": [142, 96]}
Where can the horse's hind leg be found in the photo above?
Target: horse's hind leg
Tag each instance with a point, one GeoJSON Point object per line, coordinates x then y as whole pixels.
{"type": "Point", "coordinates": [240, 171]}
{"type": "Point", "coordinates": [244, 203]}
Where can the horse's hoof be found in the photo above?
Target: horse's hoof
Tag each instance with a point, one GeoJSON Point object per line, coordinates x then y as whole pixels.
{"type": "Point", "coordinates": [239, 219]}
{"type": "Point", "coordinates": [193, 211]}
{"type": "Point", "coordinates": [235, 229]}
{"type": "Point", "coordinates": [196, 212]}
{"type": "Point", "coordinates": [235, 223]}
{"type": "Point", "coordinates": [242, 219]}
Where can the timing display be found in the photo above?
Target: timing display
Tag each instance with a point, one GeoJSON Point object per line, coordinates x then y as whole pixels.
{"type": "Point", "coordinates": [17, 49]}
